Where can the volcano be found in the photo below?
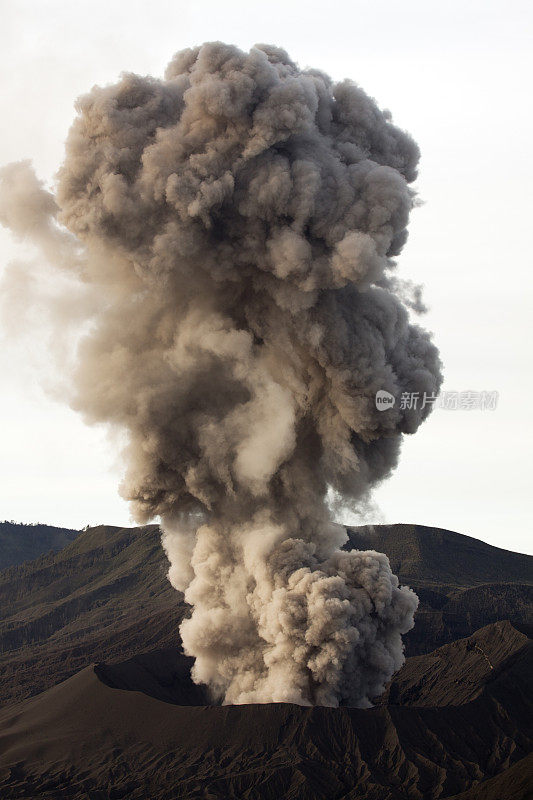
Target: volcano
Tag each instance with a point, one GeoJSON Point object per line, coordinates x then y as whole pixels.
{"type": "Point", "coordinates": [98, 700]}
{"type": "Point", "coordinates": [451, 721]}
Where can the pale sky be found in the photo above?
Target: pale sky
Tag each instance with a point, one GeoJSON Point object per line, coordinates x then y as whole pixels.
{"type": "Point", "coordinates": [457, 76]}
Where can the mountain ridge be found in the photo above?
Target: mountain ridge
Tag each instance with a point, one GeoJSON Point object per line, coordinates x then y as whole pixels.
{"type": "Point", "coordinates": [442, 554]}
{"type": "Point", "coordinates": [20, 542]}
{"type": "Point", "coordinates": [462, 583]}
{"type": "Point", "coordinates": [106, 596]}
{"type": "Point", "coordinates": [98, 701]}
{"type": "Point", "coordinates": [83, 738]}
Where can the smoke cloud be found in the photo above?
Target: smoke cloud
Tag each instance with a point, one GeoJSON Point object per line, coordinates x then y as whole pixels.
{"type": "Point", "coordinates": [237, 223]}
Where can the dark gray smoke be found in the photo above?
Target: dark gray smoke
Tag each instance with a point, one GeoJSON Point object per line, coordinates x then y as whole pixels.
{"type": "Point", "coordinates": [237, 222]}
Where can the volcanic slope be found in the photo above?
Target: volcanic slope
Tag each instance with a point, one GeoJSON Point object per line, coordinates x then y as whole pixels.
{"type": "Point", "coordinates": [106, 597]}
{"type": "Point", "coordinates": [87, 738]}
{"type": "Point", "coordinates": [19, 542]}
{"type": "Point", "coordinates": [462, 583]}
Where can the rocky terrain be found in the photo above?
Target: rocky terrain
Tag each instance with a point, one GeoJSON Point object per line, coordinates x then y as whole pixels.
{"type": "Point", "coordinates": [459, 719]}
{"type": "Point", "coordinates": [19, 542]}
{"type": "Point", "coordinates": [98, 703]}
{"type": "Point", "coordinates": [462, 583]}
{"type": "Point", "coordinates": [105, 597]}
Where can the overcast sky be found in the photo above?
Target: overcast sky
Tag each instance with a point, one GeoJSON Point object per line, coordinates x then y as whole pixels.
{"type": "Point", "coordinates": [457, 75]}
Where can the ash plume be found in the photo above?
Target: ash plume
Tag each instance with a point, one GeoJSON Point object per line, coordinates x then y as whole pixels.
{"type": "Point", "coordinates": [236, 226]}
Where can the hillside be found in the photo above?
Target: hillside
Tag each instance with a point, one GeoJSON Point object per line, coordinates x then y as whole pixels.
{"type": "Point", "coordinates": [434, 556]}
{"type": "Point", "coordinates": [86, 738]}
{"type": "Point", "coordinates": [459, 672]}
{"type": "Point", "coordinates": [19, 542]}
{"type": "Point", "coordinates": [103, 596]}
{"type": "Point", "coordinates": [106, 597]}
{"type": "Point", "coordinates": [515, 783]}
{"type": "Point", "coordinates": [462, 583]}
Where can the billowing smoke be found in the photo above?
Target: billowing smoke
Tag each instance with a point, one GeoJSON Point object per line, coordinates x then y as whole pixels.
{"type": "Point", "coordinates": [237, 223]}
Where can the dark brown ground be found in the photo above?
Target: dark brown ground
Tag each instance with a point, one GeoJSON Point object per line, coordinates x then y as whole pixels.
{"type": "Point", "coordinates": [105, 596]}
{"type": "Point", "coordinates": [19, 542]}
{"type": "Point", "coordinates": [462, 583]}
{"type": "Point", "coordinates": [86, 739]}
{"type": "Point", "coordinates": [455, 720]}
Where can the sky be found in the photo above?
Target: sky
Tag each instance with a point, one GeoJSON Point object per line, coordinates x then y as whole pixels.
{"type": "Point", "coordinates": [456, 75]}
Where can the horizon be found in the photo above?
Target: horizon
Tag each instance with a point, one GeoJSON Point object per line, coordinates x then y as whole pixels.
{"type": "Point", "coordinates": [90, 527]}
{"type": "Point", "coordinates": [264, 316]}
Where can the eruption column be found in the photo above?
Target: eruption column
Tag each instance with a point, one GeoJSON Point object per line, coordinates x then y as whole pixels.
{"type": "Point", "coordinates": [235, 225]}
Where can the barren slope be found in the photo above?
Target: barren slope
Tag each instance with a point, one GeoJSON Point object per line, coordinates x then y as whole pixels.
{"type": "Point", "coordinates": [105, 596]}
{"type": "Point", "coordinates": [84, 738]}
{"type": "Point", "coordinates": [462, 583]}
{"type": "Point", "coordinates": [19, 542]}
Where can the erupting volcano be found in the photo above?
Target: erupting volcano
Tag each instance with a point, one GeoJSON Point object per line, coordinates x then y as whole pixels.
{"type": "Point", "coordinates": [234, 228]}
